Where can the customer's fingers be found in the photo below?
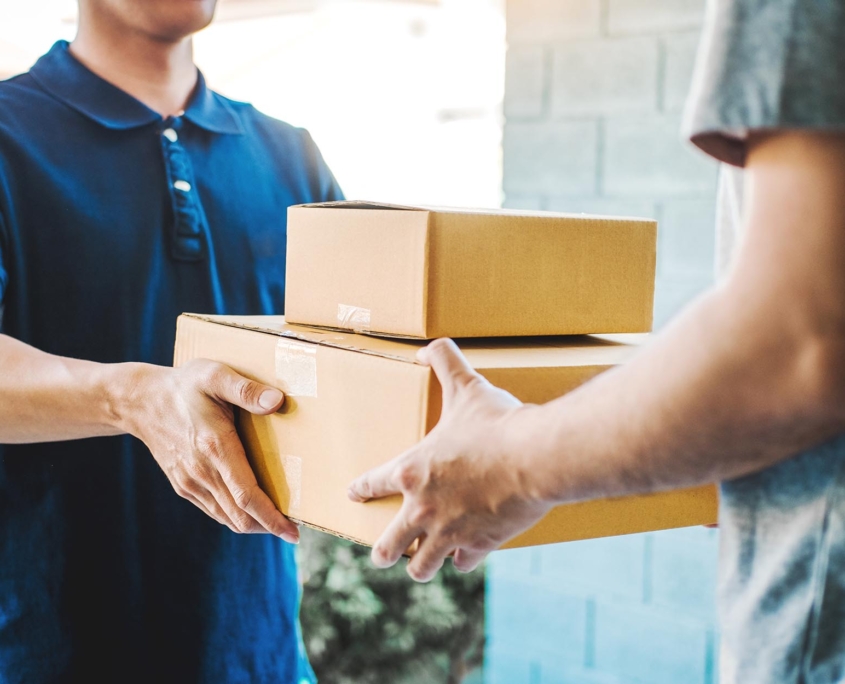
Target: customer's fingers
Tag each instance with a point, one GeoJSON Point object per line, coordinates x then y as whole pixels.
{"type": "Point", "coordinates": [379, 482]}
{"type": "Point", "coordinates": [465, 560]}
{"type": "Point", "coordinates": [395, 540]}
{"type": "Point", "coordinates": [429, 558]}
{"type": "Point", "coordinates": [450, 366]}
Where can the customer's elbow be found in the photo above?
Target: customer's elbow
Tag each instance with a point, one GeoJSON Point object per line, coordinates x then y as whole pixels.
{"type": "Point", "coordinates": [819, 372]}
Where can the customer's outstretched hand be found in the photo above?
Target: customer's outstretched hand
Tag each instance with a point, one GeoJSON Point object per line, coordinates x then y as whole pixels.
{"type": "Point", "coordinates": [468, 486]}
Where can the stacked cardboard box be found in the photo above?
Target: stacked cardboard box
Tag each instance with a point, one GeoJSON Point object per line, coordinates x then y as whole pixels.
{"type": "Point", "coordinates": [367, 284]}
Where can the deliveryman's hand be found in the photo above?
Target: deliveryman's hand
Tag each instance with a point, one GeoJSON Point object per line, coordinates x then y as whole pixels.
{"type": "Point", "coordinates": [185, 416]}
{"type": "Point", "coordinates": [467, 487]}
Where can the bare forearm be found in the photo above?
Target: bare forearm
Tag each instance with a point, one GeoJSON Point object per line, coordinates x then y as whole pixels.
{"type": "Point", "coordinates": [49, 398]}
{"type": "Point", "coordinates": [183, 415]}
{"type": "Point", "coordinates": [751, 374]}
{"type": "Point", "coordinates": [718, 395]}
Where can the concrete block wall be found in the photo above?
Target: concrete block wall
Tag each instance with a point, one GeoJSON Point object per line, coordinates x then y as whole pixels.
{"type": "Point", "coordinates": [593, 102]}
{"type": "Point", "coordinates": [627, 610]}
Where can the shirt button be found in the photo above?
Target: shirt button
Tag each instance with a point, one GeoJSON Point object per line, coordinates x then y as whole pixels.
{"type": "Point", "coordinates": [184, 186]}
{"type": "Point", "coordinates": [170, 134]}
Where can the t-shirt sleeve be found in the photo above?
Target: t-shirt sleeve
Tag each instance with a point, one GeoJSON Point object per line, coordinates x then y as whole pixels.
{"type": "Point", "coordinates": [766, 65]}
{"type": "Point", "coordinates": [325, 186]}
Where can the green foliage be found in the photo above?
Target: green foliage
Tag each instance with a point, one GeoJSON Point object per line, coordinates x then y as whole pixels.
{"type": "Point", "coordinates": [363, 625]}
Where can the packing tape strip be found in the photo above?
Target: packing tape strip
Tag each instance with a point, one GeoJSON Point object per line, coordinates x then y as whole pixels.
{"type": "Point", "coordinates": [354, 317]}
{"type": "Point", "coordinates": [292, 465]}
{"type": "Point", "coordinates": [296, 368]}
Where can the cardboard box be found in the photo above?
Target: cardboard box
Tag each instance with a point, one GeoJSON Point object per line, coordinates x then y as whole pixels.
{"type": "Point", "coordinates": [354, 402]}
{"type": "Point", "coordinates": [423, 273]}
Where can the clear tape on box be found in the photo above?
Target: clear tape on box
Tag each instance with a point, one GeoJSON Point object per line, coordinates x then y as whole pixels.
{"type": "Point", "coordinates": [296, 368]}
{"type": "Point", "coordinates": [355, 318]}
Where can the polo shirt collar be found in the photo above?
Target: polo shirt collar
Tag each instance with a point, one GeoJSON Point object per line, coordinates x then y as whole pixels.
{"type": "Point", "coordinates": [68, 80]}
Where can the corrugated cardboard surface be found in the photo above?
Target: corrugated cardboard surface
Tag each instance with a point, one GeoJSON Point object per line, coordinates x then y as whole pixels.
{"type": "Point", "coordinates": [429, 272]}
{"type": "Point", "coordinates": [357, 401]}
{"type": "Point", "coordinates": [357, 262]}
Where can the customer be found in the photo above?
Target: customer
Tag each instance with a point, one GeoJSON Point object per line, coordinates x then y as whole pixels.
{"type": "Point", "coordinates": [129, 193]}
{"type": "Point", "coordinates": [746, 387]}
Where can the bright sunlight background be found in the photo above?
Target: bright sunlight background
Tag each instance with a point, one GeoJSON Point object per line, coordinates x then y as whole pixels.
{"type": "Point", "coordinates": [404, 98]}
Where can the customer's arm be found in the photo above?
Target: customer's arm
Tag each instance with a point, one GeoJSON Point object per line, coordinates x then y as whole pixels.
{"type": "Point", "coordinates": [184, 416]}
{"type": "Point", "coordinates": [751, 374]}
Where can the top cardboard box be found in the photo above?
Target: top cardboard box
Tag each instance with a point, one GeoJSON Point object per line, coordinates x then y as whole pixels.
{"type": "Point", "coordinates": [423, 273]}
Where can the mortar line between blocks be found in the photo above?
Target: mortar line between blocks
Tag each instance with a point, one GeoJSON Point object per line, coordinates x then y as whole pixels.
{"type": "Point", "coordinates": [661, 75]}
{"type": "Point", "coordinates": [590, 634]}
{"type": "Point", "coordinates": [548, 83]}
{"type": "Point", "coordinates": [710, 647]}
{"type": "Point", "coordinates": [600, 146]}
{"type": "Point", "coordinates": [648, 564]}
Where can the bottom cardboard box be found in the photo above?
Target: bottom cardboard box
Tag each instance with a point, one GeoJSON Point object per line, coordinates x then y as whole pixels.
{"type": "Point", "coordinates": [354, 402]}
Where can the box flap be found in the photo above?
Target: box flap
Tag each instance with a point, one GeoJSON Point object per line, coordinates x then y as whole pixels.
{"type": "Point", "coordinates": [276, 325]}
{"type": "Point", "coordinates": [357, 204]}
{"type": "Point", "coordinates": [484, 211]}
{"type": "Point", "coordinates": [523, 352]}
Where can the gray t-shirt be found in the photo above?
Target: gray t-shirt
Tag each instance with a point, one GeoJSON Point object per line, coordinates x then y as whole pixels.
{"type": "Point", "coordinates": [768, 65]}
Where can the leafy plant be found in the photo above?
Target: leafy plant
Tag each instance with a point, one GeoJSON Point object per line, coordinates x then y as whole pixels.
{"type": "Point", "coordinates": [363, 625]}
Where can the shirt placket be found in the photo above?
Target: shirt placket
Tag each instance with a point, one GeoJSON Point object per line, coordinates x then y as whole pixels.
{"type": "Point", "coordinates": [187, 237]}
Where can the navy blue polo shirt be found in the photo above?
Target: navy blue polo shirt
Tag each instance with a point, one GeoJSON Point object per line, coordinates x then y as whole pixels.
{"type": "Point", "coordinates": [113, 222]}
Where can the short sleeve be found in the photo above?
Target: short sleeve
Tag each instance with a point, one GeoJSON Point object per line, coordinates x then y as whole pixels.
{"type": "Point", "coordinates": [325, 186]}
{"type": "Point", "coordinates": [766, 65]}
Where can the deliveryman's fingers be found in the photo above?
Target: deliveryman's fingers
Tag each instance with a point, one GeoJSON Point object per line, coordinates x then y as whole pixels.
{"type": "Point", "coordinates": [215, 512]}
{"type": "Point", "coordinates": [243, 490]}
{"type": "Point", "coordinates": [255, 397]}
{"type": "Point", "coordinates": [198, 494]}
